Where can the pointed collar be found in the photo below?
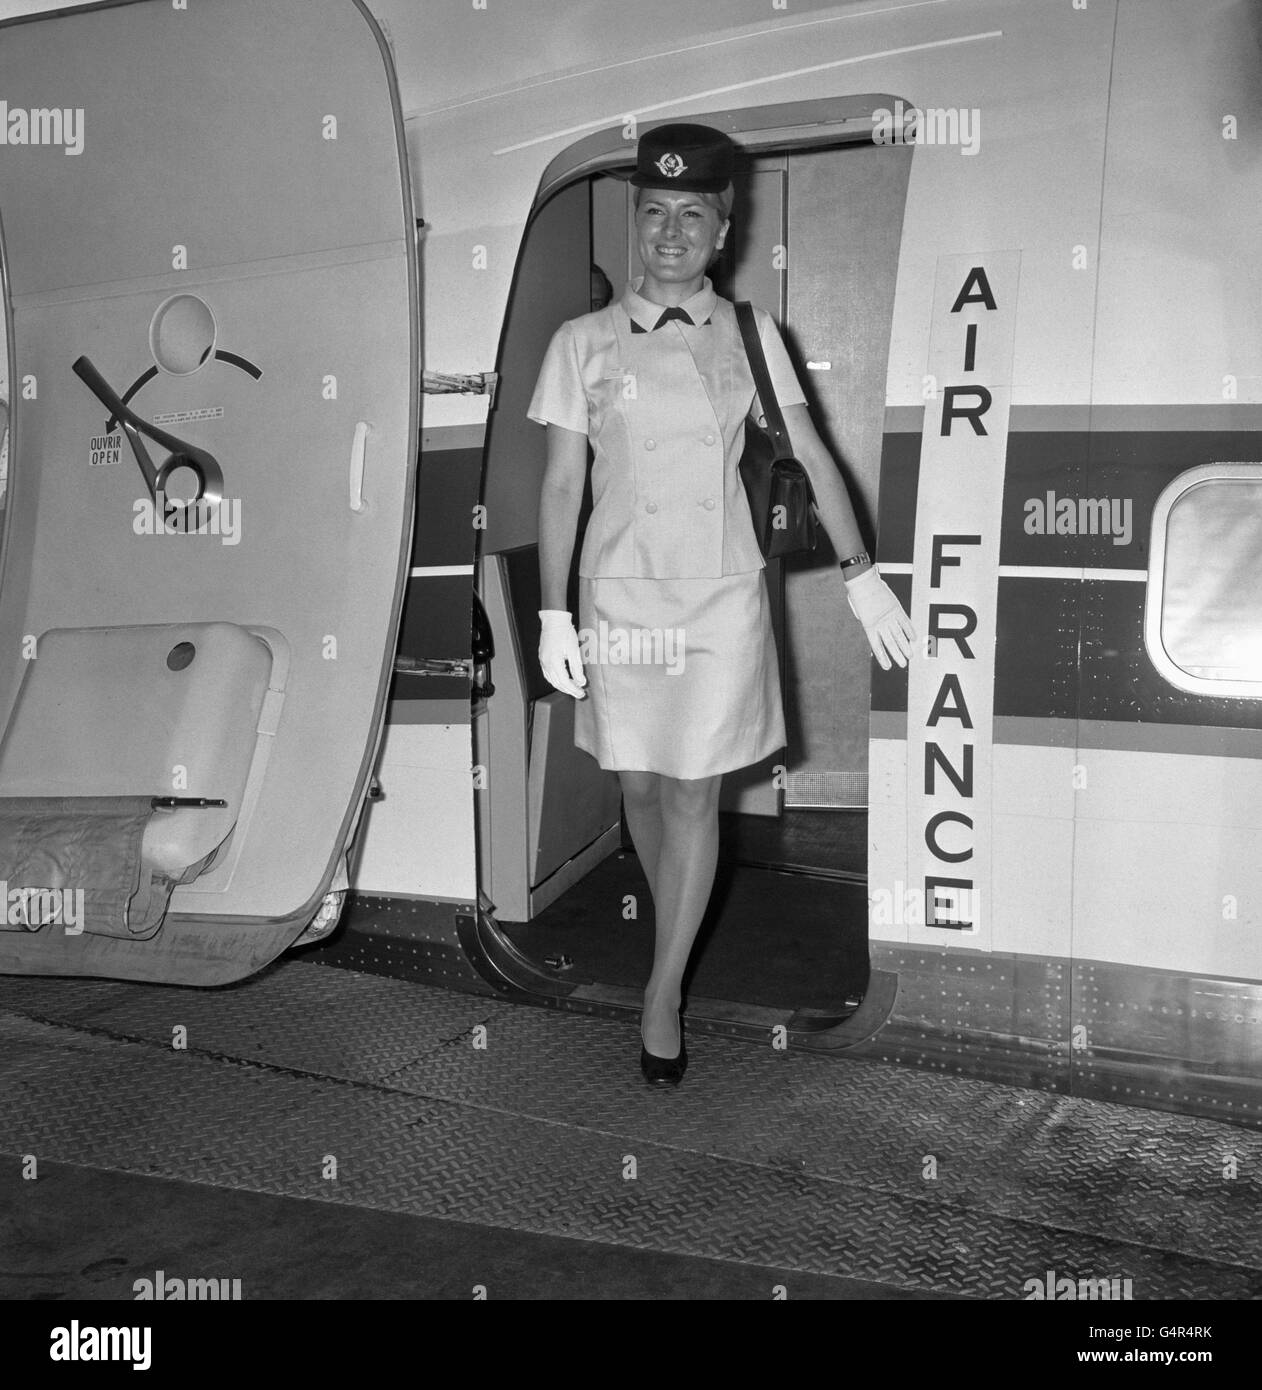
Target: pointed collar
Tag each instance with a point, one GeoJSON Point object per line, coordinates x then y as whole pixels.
{"type": "Point", "coordinates": [645, 314]}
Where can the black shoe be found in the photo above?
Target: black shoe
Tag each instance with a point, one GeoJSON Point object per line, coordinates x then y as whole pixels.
{"type": "Point", "coordinates": [664, 1071]}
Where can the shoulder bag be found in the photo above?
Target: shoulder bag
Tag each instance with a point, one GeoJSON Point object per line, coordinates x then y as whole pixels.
{"type": "Point", "coordinates": [781, 501]}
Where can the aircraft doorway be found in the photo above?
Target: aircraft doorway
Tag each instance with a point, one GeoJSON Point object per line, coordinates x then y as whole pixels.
{"type": "Point", "coordinates": [814, 240]}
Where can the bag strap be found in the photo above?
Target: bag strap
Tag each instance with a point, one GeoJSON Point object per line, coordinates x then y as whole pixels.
{"type": "Point", "coordinates": [762, 380]}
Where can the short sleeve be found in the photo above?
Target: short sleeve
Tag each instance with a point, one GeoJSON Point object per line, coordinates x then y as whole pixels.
{"type": "Point", "coordinates": [784, 379]}
{"type": "Point", "coordinates": [560, 398]}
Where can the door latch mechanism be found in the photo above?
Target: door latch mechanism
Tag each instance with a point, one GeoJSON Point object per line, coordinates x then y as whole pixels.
{"type": "Point", "coordinates": [460, 384]}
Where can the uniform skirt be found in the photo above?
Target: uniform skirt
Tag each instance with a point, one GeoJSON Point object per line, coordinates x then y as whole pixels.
{"type": "Point", "coordinates": [682, 674]}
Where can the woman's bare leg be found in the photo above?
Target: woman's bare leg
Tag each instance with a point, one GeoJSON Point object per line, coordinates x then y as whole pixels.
{"type": "Point", "coordinates": [641, 804]}
{"type": "Point", "coordinates": [687, 856]}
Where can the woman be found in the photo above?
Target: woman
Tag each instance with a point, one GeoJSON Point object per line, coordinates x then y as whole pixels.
{"type": "Point", "coordinates": [659, 383]}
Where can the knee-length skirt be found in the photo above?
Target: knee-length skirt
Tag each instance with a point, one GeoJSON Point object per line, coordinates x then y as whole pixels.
{"type": "Point", "coordinates": [682, 674]}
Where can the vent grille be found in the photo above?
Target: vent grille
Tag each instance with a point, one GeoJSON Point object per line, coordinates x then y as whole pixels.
{"type": "Point", "coordinates": [848, 789]}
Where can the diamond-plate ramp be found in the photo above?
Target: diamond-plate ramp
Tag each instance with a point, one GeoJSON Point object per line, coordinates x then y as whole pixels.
{"type": "Point", "coordinates": [143, 1108]}
{"type": "Point", "coordinates": [304, 1017]}
{"type": "Point", "coordinates": [40, 995]}
{"type": "Point", "coordinates": [1071, 1164]}
{"type": "Point", "coordinates": [1187, 1184]}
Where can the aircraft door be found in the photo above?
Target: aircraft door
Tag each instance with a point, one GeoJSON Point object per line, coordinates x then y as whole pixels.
{"type": "Point", "coordinates": [210, 278]}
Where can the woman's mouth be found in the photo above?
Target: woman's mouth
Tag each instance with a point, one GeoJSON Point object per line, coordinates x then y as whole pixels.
{"type": "Point", "coordinates": [672, 252]}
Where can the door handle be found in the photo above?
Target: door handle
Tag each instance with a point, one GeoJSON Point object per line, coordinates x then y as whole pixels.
{"type": "Point", "coordinates": [182, 455]}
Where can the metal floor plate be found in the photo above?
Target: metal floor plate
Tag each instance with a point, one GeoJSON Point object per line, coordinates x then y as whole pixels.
{"type": "Point", "coordinates": [789, 1159]}
{"type": "Point", "coordinates": [333, 1023]}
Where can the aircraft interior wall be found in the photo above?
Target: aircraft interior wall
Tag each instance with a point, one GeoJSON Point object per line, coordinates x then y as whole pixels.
{"type": "Point", "coordinates": [845, 215]}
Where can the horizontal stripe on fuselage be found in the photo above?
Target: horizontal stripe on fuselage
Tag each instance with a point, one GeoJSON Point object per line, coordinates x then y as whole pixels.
{"type": "Point", "coordinates": [1099, 733]}
{"type": "Point", "coordinates": [1071, 606]}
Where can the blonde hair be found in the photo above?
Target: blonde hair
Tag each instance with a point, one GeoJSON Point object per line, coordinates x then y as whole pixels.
{"type": "Point", "coordinates": [720, 202]}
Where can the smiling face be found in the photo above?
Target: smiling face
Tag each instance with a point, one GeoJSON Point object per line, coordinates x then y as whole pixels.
{"type": "Point", "coordinates": [677, 234]}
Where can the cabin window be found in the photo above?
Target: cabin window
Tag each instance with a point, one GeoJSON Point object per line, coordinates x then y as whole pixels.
{"type": "Point", "coordinates": [1203, 619]}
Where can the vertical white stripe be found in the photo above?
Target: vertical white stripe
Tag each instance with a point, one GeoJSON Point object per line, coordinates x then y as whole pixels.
{"type": "Point", "coordinates": [960, 496]}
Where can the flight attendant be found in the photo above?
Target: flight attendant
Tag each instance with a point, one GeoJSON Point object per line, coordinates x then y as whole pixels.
{"type": "Point", "coordinates": [681, 683]}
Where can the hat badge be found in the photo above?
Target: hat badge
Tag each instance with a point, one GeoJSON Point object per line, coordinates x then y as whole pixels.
{"type": "Point", "coordinates": [671, 166]}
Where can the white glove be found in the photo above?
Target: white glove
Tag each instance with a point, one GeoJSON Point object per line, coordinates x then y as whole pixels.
{"type": "Point", "coordinates": [889, 629]}
{"type": "Point", "coordinates": [559, 654]}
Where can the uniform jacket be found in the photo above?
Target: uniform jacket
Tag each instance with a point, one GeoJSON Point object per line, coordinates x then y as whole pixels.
{"type": "Point", "coordinates": [664, 411]}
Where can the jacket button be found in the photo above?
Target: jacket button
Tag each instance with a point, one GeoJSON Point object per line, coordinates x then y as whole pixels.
{"type": "Point", "coordinates": [709, 439]}
{"type": "Point", "coordinates": [709, 504]}
{"type": "Point", "coordinates": [650, 444]}
{"type": "Point", "coordinates": [650, 507]}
